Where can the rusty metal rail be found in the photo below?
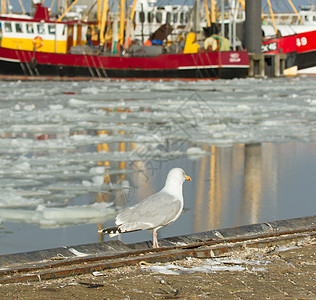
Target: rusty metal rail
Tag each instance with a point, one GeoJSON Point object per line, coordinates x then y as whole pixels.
{"type": "Point", "coordinates": [62, 262]}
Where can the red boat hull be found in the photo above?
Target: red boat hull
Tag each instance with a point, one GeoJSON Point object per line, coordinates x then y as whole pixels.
{"type": "Point", "coordinates": [300, 49]}
{"type": "Point", "coordinates": [230, 64]}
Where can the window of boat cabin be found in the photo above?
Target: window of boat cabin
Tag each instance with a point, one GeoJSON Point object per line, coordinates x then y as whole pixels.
{"type": "Point", "coordinates": [18, 28]}
{"type": "Point", "coordinates": [7, 27]}
{"type": "Point", "coordinates": [64, 30]}
{"type": "Point", "coordinates": [182, 17]}
{"type": "Point", "coordinates": [40, 29]}
{"type": "Point", "coordinates": [175, 17]}
{"type": "Point", "coordinates": [141, 17]}
{"type": "Point", "coordinates": [51, 29]}
{"type": "Point", "coordinates": [150, 17]}
{"type": "Point", "coordinates": [168, 17]}
{"type": "Point", "coordinates": [158, 17]}
{"type": "Point", "coordinates": [187, 17]}
{"type": "Point", "coordinates": [29, 28]}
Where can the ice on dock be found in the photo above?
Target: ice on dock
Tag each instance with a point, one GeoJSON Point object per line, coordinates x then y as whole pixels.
{"type": "Point", "coordinates": [209, 266]}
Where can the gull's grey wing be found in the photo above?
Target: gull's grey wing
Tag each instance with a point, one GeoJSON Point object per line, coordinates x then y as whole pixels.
{"type": "Point", "coordinates": [157, 210]}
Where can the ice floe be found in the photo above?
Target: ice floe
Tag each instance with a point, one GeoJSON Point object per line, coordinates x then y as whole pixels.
{"type": "Point", "coordinates": [50, 217]}
{"type": "Point", "coordinates": [61, 141]}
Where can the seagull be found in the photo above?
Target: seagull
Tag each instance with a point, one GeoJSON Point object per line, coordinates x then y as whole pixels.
{"type": "Point", "coordinates": [155, 211]}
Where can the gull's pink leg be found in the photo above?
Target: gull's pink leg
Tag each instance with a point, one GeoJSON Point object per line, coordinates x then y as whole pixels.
{"type": "Point", "coordinates": [155, 241]}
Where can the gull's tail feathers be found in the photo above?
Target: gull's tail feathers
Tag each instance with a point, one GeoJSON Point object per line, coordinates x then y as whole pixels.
{"type": "Point", "coordinates": [117, 230]}
{"type": "Point", "coordinates": [112, 231]}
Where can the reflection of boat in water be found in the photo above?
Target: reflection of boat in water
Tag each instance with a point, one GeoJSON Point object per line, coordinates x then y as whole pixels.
{"type": "Point", "coordinates": [40, 46]}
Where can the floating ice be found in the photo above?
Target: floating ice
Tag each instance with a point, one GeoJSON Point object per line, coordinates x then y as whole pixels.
{"type": "Point", "coordinates": [76, 102]}
{"type": "Point", "coordinates": [98, 180]}
{"type": "Point", "coordinates": [56, 107]}
{"type": "Point", "coordinates": [23, 166]}
{"type": "Point", "coordinates": [51, 217]}
{"type": "Point", "coordinates": [243, 107]}
{"type": "Point", "coordinates": [195, 152]}
{"type": "Point", "coordinates": [14, 200]}
{"type": "Point", "coordinates": [62, 141]}
{"type": "Point", "coordinates": [97, 170]}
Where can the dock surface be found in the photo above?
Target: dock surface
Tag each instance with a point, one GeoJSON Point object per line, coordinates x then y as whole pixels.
{"type": "Point", "coordinates": [275, 260]}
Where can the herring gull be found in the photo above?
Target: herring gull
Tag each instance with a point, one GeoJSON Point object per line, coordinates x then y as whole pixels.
{"type": "Point", "coordinates": [155, 211]}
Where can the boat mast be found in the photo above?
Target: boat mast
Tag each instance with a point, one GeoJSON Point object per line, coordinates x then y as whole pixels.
{"type": "Point", "coordinates": [133, 10]}
{"type": "Point", "coordinates": [295, 10]}
{"type": "Point", "coordinates": [242, 3]}
{"type": "Point", "coordinates": [115, 32]}
{"type": "Point", "coordinates": [99, 2]}
{"type": "Point", "coordinates": [210, 15]}
{"type": "Point", "coordinates": [129, 24]}
{"type": "Point", "coordinates": [52, 6]}
{"type": "Point", "coordinates": [213, 12]}
{"type": "Point", "coordinates": [22, 7]}
{"type": "Point", "coordinates": [272, 16]}
{"type": "Point", "coordinates": [122, 21]}
{"type": "Point", "coordinates": [3, 6]}
{"type": "Point", "coordinates": [208, 20]}
{"type": "Point", "coordinates": [103, 21]}
{"type": "Point", "coordinates": [223, 17]}
{"type": "Point", "coordinates": [67, 10]}
{"type": "Point", "coordinates": [196, 16]}
{"type": "Point", "coordinates": [233, 15]}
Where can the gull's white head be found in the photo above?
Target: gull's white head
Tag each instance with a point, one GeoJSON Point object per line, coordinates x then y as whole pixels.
{"type": "Point", "coordinates": [177, 175]}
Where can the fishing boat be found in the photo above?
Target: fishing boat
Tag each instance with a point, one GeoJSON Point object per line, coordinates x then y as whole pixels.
{"type": "Point", "coordinates": [45, 46]}
{"type": "Point", "coordinates": [293, 34]}
{"type": "Point", "coordinates": [300, 49]}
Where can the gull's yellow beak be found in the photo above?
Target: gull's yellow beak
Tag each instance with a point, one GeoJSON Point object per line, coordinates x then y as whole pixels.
{"type": "Point", "coordinates": [188, 178]}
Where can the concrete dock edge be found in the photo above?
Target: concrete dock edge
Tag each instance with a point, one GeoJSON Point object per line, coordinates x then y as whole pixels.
{"type": "Point", "coordinates": [83, 259]}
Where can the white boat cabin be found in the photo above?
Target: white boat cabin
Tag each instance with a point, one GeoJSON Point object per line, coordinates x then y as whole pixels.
{"type": "Point", "coordinates": [40, 33]}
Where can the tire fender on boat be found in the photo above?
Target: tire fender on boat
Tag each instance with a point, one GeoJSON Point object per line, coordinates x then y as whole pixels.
{"type": "Point", "coordinates": [38, 42]}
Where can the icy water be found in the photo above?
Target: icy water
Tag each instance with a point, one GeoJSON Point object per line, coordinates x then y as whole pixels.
{"type": "Point", "coordinates": [73, 153]}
